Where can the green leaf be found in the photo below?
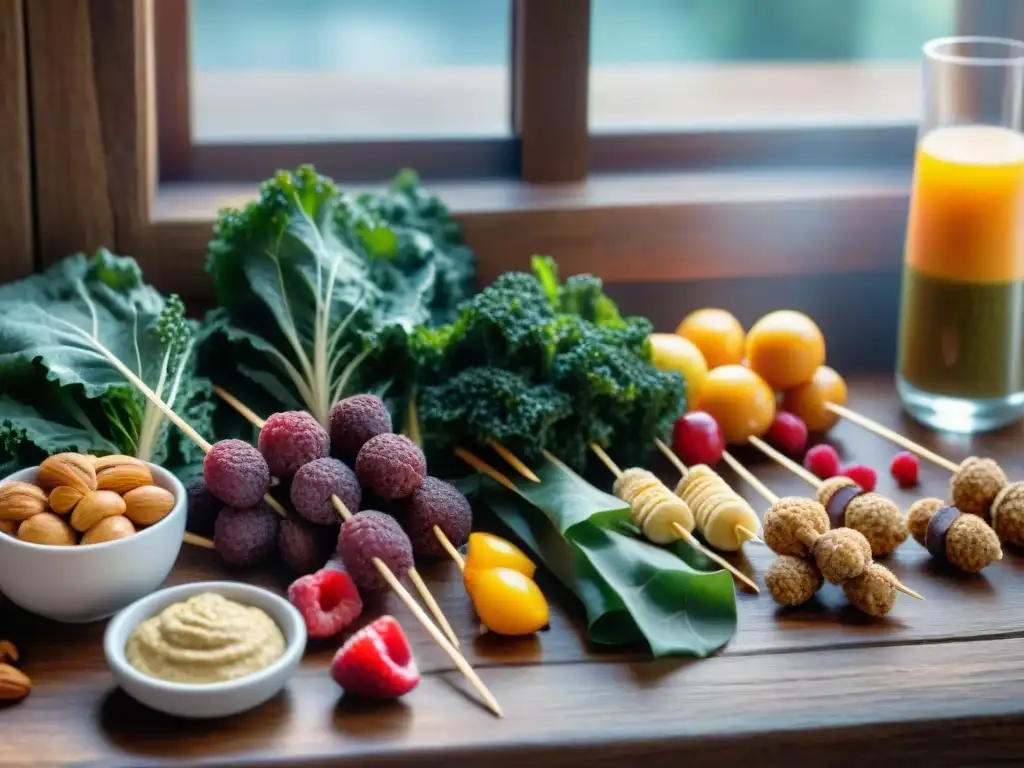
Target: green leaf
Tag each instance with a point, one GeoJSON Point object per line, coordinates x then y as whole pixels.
{"type": "Point", "coordinates": [631, 590]}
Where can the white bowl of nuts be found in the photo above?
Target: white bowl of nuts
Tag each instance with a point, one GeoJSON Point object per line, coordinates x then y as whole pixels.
{"type": "Point", "coordinates": [81, 537]}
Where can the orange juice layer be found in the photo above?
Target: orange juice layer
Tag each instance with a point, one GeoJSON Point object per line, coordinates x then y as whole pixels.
{"type": "Point", "coordinates": [967, 206]}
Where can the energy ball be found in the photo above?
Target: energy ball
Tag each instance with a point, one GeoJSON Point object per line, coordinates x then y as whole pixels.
{"type": "Point", "coordinates": [792, 525]}
{"type": "Point", "coordinates": [975, 485]}
{"type": "Point", "coordinates": [291, 439]}
{"type": "Point", "coordinates": [236, 473]}
{"type": "Point", "coordinates": [373, 534]}
{"type": "Point", "coordinates": [873, 592]}
{"type": "Point", "coordinates": [792, 581]}
{"type": "Point", "coordinates": [1008, 514]}
{"type": "Point", "coordinates": [828, 488]}
{"type": "Point", "coordinates": [880, 520]}
{"type": "Point", "coordinates": [391, 466]}
{"type": "Point", "coordinates": [245, 536]}
{"type": "Point", "coordinates": [964, 541]}
{"type": "Point", "coordinates": [919, 515]}
{"type": "Point", "coordinates": [435, 503]}
{"type": "Point", "coordinates": [203, 507]}
{"type": "Point", "coordinates": [355, 420]}
{"type": "Point", "coordinates": [315, 483]}
{"type": "Point", "coordinates": [305, 547]}
{"type": "Point", "coordinates": [842, 554]}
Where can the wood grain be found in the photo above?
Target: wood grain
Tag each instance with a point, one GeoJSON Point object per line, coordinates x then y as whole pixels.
{"type": "Point", "coordinates": [16, 258]}
{"type": "Point", "coordinates": [818, 678]}
{"type": "Point", "coordinates": [173, 64]}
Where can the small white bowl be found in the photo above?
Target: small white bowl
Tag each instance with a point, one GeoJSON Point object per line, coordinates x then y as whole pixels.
{"type": "Point", "coordinates": [86, 583]}
{"type": "Point", "coordinates": [216, 699]}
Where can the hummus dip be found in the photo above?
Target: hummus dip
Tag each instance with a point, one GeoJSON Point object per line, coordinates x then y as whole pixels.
{"type": "Point", "coordinates": [205, 639]}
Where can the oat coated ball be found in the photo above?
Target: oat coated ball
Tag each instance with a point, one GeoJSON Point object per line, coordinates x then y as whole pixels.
{"type": "Point", "coordinates": [880, 520]}
{"type": "Point", "coordinates": [792, 581]}
{"type": "Point", "coordinates": [792, 525]}
{"type": "Point", "coordinates": [1008, 514]}
{"type": "Point", "coordinates": [919, 515]}
{"type": "Point", "coordinates": [975, 485]}
{"type": "Point", "coordinates": [873, 592]}
{"type": "Point", "coordinates": [841, 554]}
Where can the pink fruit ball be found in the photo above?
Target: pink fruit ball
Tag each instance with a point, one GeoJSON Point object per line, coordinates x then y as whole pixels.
{"type": "Point", "coordinates": [697, 439]}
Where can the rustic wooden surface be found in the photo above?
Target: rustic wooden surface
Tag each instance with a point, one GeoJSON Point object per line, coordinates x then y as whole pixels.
{"type": "Point", "coordinates": [16, 259]}
{"type": "Point", "coordinates": [936, 680]}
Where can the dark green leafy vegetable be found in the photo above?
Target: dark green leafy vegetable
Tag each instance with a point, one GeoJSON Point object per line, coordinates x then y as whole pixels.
{"type": "Point", "coordinates": [631, 590]}
{"type": "Point", "coordinates": [58, 332]}
{"type": "Point", "coordinates": [539, 364]}
{"type": "Point", "coordinates": [319, 291]}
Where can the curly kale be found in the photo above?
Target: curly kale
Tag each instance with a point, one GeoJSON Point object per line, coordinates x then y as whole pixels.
{"type": "Point", "coordinates": [538, 364]}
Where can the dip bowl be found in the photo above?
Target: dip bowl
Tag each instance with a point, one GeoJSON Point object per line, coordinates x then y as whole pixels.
{"type": "Point", "coordinates": [86, 583]}
{"type": "Point", "coordinates": [213, 699]}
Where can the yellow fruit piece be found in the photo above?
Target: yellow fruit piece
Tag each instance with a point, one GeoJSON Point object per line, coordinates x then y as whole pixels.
{"type": "Point", "coordinates": [785, 348]}
{"type": "Point", "coordinates": [674, 353]}
{"type": "Point", "coordinates": [741, 401]}
{"type": "Point", "coordinates": [507, 601]}
{"type": "Point", "coordinates": [808, 400]}
{"type": "Point", "coordinates": [716, 333]}
{"type": "Point", "coordinates": [488, 551]}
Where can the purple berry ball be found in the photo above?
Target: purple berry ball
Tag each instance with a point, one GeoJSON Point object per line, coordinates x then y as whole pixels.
{"type": "Point", "coordinates": [305, 547]}
{"type": "Point", "coordinates": [246, 536]}
{"type": "Point", "coordinates": [203, 507]}
{"type": "Point", "coordinates": [314, 484]}
{"type": "Point", "coordinates": [290, 439]}
{"type": "Point", "coordinates": [355, 420]}
{"type": "Point", "coordinates": [435, 503]}
{"type": "Point", "coordinates": [236, 473]}
{"type": "Point", "coordinates": [390, 466]}
{"type": "Point", "coordinates": [373, 534]}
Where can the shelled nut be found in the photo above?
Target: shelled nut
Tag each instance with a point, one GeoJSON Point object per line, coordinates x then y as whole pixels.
{"type": "Point", "coordinates": [71, 469]}
{"type": "Point", "coordinates": [20, 501]}
{"type": "Point", "coordinates": [149, 504]}
{"type": "Point", "coordinates": [109, 529]}
{"type": "Point", "coordinates": [94, 507]}
{"type": "Point", "coordinates": [47, 528]}
{"type": "Point", "coordinates": [122, 478]}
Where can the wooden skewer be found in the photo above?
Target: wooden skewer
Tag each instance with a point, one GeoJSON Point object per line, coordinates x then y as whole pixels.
{"type": "Point", "coordinates": [198, 541]}
{"type": "Point", "coordinates": [750, 478]}
{"type": "Point", "coordinates": [450, 548]}
{"type": "Point", "coordinates": [484, 468]}
{"type": "Point", "coordinates": [896, 437]}
{"type": "Point", "coordinates": [806, 475]}
{"type": "Point", "coordinates": [513, 460]}
{"type": "Point", "coordinates": [684, 534]}
{"type": "Point", "coordinates": [239, 406]}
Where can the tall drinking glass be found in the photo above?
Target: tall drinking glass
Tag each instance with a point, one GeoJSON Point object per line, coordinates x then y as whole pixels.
{"type": "Point", "coordinates": [961, 363]}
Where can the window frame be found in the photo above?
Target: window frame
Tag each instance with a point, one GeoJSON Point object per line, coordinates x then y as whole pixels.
{"type": "Point", "coordinates": [16, 225]}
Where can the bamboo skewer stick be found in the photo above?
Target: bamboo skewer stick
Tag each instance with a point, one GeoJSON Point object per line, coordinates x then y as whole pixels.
{"type": "Point", "coordinates": [198, 541]}
{"type": "Point", "coordinates": [417, 581]}
{"type": "Point", "coordinates": [684, 534]}
{"type": "Point", "coordinates": [450, 548]}
{"type": "Point", "coordinates": [804, 474]}
{"type": "Point", "coordinates": [750, 478]}
{"type": "Point", "coordinates": [513, 460]}
{"type": "Point", "coordinates": [896, 437]}
{"type": "Point", "coordinates": [742, 533]}
{"type": "Point", "coordinates": [484, 468]}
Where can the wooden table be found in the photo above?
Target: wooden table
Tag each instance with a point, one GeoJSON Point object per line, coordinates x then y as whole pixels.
{"type": "Point", "coordinates": [940, 681]}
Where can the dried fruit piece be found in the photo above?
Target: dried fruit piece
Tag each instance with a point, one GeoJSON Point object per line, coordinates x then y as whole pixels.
{"type": "Point", "coordinates": [95, 506]}
{"type": "Point", "coordinates": [20, 501]}
{"type": "Point", "coordinates": [14, 684]}
{"type": "Point", "coordinates": [71, 469]}
{"type": "Point", "coordinates": [63, 499]}
{"type": "Point", "coordinates": [109, 529]}
{"type": "Point", "coordinates": [148, 504]}
{"type": "Point", "coordinates": [904, 469]}
{"type": "Point", "coordinates": [123, 478]}
{"type": "Point", "coordinates": [48, 529]}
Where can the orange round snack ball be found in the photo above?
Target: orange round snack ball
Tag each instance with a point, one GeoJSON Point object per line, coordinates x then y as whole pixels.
{"type": "Point", "coordinates": [808, 400]}
{"type": "Point", "coordinates": [785, 348]}
{"type": "Point", "coordinates": [741, 402]}
{"type": "Point", "coordinates": [716, 333]}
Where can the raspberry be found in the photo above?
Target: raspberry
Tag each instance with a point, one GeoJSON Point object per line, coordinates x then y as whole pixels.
{"type": "Point", "coordinates": [236, 473]}
{"type": "Point", "coordinates": [823, 461]}
{"type": "Point", "coordinates": [327, 600]}
{"type": "Point", "coordinates": [245, 536]}
{"type": "Point", "coordinates": [203, 507]}
{"type": "Point", "coordinates": [376, 662]}
{"type": "Point", "coordinates": [435, 503]}
{"type": "Point", "coordinates": [314, 484]}
{"type": "Point", "coordinates": [373, 534]}
{"type": "Point", "coordinates": [290, 439]}
{"type": "Point", "coordinates": [391, 466]}
{"type": "Point", "coordinates": [788, 433]}
{"type": "Point", "coordinates": [862, 475]}
{"type": "Point", "coordinates": [904, 469]}
{"type": "Point", "coordinates": [305, 547]}
{"type": "Point", "coordinates": [355, 420]}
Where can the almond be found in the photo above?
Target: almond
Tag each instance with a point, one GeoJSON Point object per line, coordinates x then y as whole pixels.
{"type": "Point", "coordinates": [47, 529]}
{"type": "Point", "coordinates": [117, 460]}
{"type": "Point", "coordinates": [64, 498]}
{"type": "Point", "coordinates": [14, 684]}
{"type": "Point", "coordinates": [8, 651]}
{"type": "Point", "coordinates": [19, 501]}
{"type": "Point", "coordinates": [122, 478]}
{"type": "Point", "coordinates": [109, 529]}
{"type": "Point", "coordinates": [71, 469]}
{"type": "Point", "coordinates": [9, 527]}
{"type": "Point", "coordinates": [148, 504]}
{"type": "Point", "coordinates": [95, 506]}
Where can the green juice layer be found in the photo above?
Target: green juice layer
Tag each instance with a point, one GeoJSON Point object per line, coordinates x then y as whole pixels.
{"type": "Point", "coordinates": [962, 339]}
